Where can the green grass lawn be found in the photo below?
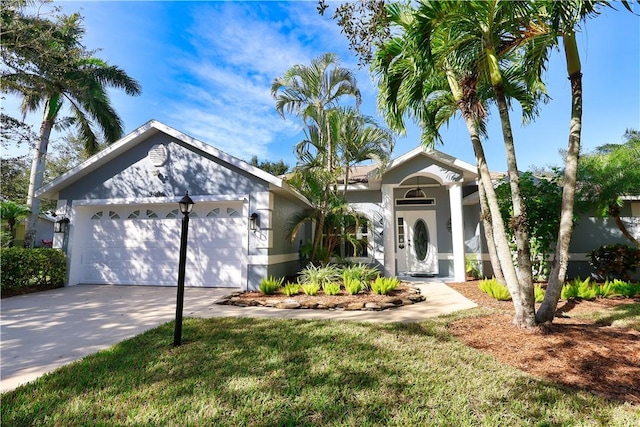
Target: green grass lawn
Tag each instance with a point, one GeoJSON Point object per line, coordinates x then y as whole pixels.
{"type": "Point", "coordinates": [247, 372]}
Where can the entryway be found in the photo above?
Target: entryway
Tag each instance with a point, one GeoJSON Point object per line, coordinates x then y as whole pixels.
{"type": "Point", "coordinates": [417, 238]}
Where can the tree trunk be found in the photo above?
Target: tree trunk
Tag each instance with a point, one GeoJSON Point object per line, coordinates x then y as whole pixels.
{"type": "Point", "coordinates": [547, 309]}
{"type": "Point", "coordinates": [36, 177]}
{"type": "Point", "coordinates": [500, 235]}
{"type": "Point", "coordinates": [488, 233]}
{"type": "Point", "coordinates": [519, 220]}
{"type": "Point", "coordinates": [614, 212]}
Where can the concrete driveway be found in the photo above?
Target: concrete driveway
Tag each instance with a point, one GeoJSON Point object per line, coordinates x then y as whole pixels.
{"type": "Point", "coordinates": [43, 331]}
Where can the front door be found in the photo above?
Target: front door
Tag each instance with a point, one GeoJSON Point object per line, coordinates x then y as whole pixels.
{"type": "Point", "coordinates": [420, 249]}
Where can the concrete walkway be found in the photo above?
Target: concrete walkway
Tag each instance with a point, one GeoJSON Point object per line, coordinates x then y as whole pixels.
{"type": "Point", "coordinates": [43, 331]}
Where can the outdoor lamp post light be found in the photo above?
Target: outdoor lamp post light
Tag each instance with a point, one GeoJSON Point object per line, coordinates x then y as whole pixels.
{"type": "Point", "coordinates": [186, 206]}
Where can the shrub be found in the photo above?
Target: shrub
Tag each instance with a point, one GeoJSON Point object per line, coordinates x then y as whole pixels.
{"type": "Point", "coordinates": [605, 290]}
{"type": "Point", "coordinates": [310, 289]}
{"type": "Point", "coordinates": [586, 290]}
{"type": "Point", "coordinates": [625, 289]}
{"type": "Point", "coordinates": [331, 288]}
{"type": "Point", "coordinates": [570, 290]}
{"type": "Point", "coordinates": [270, 285]}
{"type": "Point", "coordinates": [362, 272]}
{"type": "Point", "coordinates": [472, 267]}
{"type": "Point", "coordinates": [617, 261]}
{"type": "Point", "coordinates": [352, 285]}
{"type": "Point", "coordinates": [319, 275]}
{"type": "Point", "coordinates": [40, 267]}
{"type": "Point", "coordinates": [384, 285]}
{"type": "Point", "coordinates": [495, 289]}
{"type": "Point", "coordinates": [291, 288]}
{"type": "Point", "coordinates": [538, 293]}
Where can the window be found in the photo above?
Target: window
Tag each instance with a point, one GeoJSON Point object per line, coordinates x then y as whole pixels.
{"type": "Point", "coordinates": [134, 214]}
{"type": "Point", "coordinates": [97, 215]}
{"type": "Point", "coordinates": [353, 240]}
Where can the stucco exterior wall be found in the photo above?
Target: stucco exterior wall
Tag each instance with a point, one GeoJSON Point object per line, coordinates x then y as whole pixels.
{"type": "Point", "coordinates": [134, 176]}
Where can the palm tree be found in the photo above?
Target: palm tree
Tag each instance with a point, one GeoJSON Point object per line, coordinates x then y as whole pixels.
{"type": "Point", "coordinates": [559, 21]}
{"type": "Point", "coordinates": [311, 92]}
{"type": "Point", "coordinates": [422, 75]}
{"type": "Point", "coordinates": [80, 83]}
{"type": "Point", "coordinates": [12, 213]}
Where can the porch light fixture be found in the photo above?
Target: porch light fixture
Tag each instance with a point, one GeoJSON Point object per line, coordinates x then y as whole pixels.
{"type": "Point", "coordinates": [61, 225]}
{"type": "Point", "coordinates": [254, 221]}
{"type": "Point", "coordinates": [186, 206]}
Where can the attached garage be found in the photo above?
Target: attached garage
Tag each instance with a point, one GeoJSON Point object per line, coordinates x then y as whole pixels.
{"type": "Point", "coordinates": [124, 223]}
{"type": "Point", "coordinates": [139, 245]}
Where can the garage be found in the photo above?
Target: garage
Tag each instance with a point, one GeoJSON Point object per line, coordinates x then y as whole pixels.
{"type": "Point", "coordinates": [139, 244]}
{"type": "Point", "coordinates": [122, 223]}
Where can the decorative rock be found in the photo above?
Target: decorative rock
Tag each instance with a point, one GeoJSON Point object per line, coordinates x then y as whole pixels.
{"type": "Point", "coordinates": [407, 302]}
{"type": "Point", "coordinates": [355, 306]}
{"type": "Point", "coordinates": [372, 306]}
{"type": "Point", "coordinates": [288, 304]}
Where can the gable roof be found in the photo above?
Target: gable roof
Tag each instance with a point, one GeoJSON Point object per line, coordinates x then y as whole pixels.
{"type": "Point", "coordinates": [468, 170]}
{"type": "Point", "coordinates": [142, 133]}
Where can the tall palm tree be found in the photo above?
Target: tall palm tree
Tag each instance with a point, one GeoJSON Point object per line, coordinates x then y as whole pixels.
{"type": "Point", "coordinates": [555, 21]}
{"type": "Point", "coordinates": [80, 83]}
{"type": "Point", "coordinates": [423, 74]}
{"type": "Point", "coordinates": [310, 92]}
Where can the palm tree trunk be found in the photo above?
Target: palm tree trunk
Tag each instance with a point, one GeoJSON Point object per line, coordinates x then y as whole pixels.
{"type": "Point", "coordinates": [560, 261]}
{"type": "Point", "coordinates": [614, 212]}
{"type": "Point", "coordinates": [519, 220]}
{"type": "Point", "coordinates": [500, 235]}
{"type": "Point", "coordinates": [487, 224]}
{"type": "Point", "coordinates": [36, 176]}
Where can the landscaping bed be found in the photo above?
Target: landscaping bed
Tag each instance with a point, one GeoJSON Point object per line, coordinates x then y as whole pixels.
{"type": "Point", "coordinates": [591, 345]}
{"type": "Point", "coordinates": [404, 294]}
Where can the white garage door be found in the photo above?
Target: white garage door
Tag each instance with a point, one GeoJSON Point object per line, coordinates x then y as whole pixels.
{"type": "Point", "coordinates": [140, 245]}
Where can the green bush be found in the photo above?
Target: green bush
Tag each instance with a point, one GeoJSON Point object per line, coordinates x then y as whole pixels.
{"type": "Point", "coordinates": [495, 289]}
{"type": "Point", "coordinates": [319, 275]}
{"type": "Point", "coordinates": [586, 290]}
{"type": "Point", "coordinates": [270, 285]}
{"type": "Point", "coordinates": [291, 288]}
{"type": "Point", "coordinates": [384, 285]}
{"type": "Point", "coordinates": [617, 261]}
{"type": "Point", "coordinates": [25, 268]}
{"type": "Point", "coordinates": [472, 267]}
{"type": "Point", "coordinates": [310, 289]}
{"type": "Point", "coordinates": [625, 289]}
{"type": "Point", "coordinates": [570, 289]}
{"type": "Point", "coordinates": [538, 293]}
{"type": "Point", "coordinates": [361, 272]}
{"type": "Point", "coordinates": [352, 285]}
{"type": "Point", "coordinates": [331, 288]}
{"type": "Point", "coordinates": [605, 290]}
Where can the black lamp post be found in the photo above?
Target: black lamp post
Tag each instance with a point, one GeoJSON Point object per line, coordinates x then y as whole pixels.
{"type": "Point", "coordinates": [186, 206]}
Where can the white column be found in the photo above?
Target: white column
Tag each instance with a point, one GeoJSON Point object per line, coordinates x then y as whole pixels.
{"type": "Point", "coordinates": [457, 231]}
{"type": "Point", "coordinates": [388, 229]}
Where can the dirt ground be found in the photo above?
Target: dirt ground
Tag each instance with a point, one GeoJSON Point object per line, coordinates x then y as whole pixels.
{"type": "Point", "coordinates": [573, 351]}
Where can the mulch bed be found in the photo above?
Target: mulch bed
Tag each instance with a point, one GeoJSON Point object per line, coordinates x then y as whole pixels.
{"type": "Point", "coordinates": [575, 352]}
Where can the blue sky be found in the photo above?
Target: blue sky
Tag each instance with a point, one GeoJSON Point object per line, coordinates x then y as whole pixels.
{"type": "Point", "coordinates": [206, 70]}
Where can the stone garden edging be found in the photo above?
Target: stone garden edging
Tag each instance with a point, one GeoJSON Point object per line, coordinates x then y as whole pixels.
{"type": "Point", "coordinates": [392, 302]}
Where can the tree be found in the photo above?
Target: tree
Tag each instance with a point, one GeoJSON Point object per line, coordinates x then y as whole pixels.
{"type": "Point", "coordinates": [274, 168]}
{"type": "Point", "coordinates": [422, 74]}
{"type": "Point", "coordinates": [14, 178]}
{"type": "Point", "coordinates": [610, 172]}
{"type": "Point", "coordinates": [80, 79]}
{"type": "Point", "coordinates": [543, 199]}
{"type": "Point", "coordinates": [12, 212]}
{"type": "Point", "coordinates": [311, 92]}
